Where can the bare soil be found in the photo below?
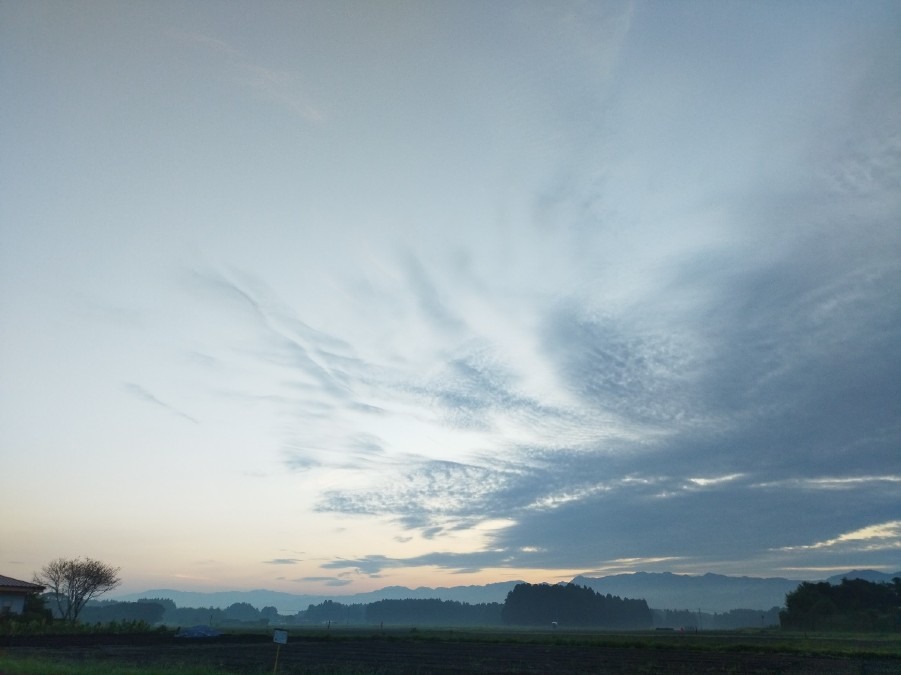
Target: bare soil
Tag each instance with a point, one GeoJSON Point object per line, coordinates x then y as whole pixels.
{"type": "Point", "coordinates": [392, 654]}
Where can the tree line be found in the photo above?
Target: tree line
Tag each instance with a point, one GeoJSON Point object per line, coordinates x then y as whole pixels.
{"type": "Point", "coordinates": [572, 605]}
{"type": "Point", "coordinates": [526, 604]}
{"type": "Point", "coordinates": [853, 605]}
{"type": "Point", "coordinates": [384, 612]}
{"type": "Point", "coordinates": [165, 611]}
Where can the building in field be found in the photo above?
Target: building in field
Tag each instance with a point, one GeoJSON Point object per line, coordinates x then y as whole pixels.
{"type": "Point", "coordinates": [13, 593]}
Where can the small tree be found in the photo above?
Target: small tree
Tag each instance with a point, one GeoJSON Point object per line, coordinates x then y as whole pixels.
{"type": "Point", "coordinates": [73, 582]}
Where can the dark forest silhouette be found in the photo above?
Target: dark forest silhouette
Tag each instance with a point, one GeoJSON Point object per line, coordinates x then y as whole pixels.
{"type": "Point", "coordinates": [572, 605]}
{"type": "Point", "coordinates": [852, 605]}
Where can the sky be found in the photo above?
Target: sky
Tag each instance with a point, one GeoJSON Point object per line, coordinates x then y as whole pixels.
{"type": "Point", "coordinates": [328, 296]}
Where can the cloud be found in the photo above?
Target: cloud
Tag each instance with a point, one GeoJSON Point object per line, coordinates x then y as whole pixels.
{"type": "Point", "coordinates": [436, 496]}
{"type": "Point", "coordinates": [280, 87]}
{"type": "Point", "coordinates": [882, 536]}
{"type": "Point", "coordinates": [682, 345]}
{"type": "Point", "coordinates": [429, 298]}
{"type": "Point", "coordinates": [328, 581]}
{"type": "Point", "coordinates": [704, 482]}
{"type": "Point", "coordinates": [638, 375]}
{"type": "Point", "coordinates": [142, 394]}
{"type": "Point", "coordinates": [317, 361]}
{"type": "Point", "coordinates": [277, 86]}
{"type": "Point", "coordinates": [579, 510]}
{"type": "Point", "coordinates": [282, 561]}
{"type": "Point", "coordinates": [209, 42]}
{"type": "Point", "coordinates": [474, 388]}
{"type": "Point", "coordinates": [832, 482]}
{"type": "Point", "coordinates": [373, 565]}
{"type": "Point", "coordinates": [711, 427]}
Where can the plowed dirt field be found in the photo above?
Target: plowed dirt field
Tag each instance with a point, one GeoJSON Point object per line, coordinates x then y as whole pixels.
{"type": "Point", "coordinates": [393, 654]}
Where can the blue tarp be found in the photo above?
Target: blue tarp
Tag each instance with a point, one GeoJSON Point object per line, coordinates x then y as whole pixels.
{"type": "Point", "coordinates": [197, 632]}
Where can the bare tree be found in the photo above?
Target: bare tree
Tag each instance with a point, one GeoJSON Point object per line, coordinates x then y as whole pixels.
{"type": "Point", "coordinates": [75, 581]}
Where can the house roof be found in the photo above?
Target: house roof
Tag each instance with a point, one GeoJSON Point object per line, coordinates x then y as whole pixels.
{"type": "Point", "coordinates": [9, 584]}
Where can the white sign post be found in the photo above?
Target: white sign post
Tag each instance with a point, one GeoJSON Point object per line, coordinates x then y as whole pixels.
{"type": "Point", "coordinates": [279, 637]}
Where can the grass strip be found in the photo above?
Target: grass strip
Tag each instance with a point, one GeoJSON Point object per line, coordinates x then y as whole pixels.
{"type": "Point", "coordinates": [30, 665]}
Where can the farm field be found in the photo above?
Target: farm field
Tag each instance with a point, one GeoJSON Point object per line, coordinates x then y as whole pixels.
{"type": "Point", "coordinates": [450, 651]}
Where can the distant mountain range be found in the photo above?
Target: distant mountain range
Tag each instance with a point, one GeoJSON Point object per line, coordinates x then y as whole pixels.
{"type": "Point", "coordinates": [709, 593]}
{"type": "Point", "coordinates": [662, 590]}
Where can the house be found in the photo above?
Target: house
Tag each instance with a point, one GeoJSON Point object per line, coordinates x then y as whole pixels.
{"type": "Point", "coordinates": [13, 593]}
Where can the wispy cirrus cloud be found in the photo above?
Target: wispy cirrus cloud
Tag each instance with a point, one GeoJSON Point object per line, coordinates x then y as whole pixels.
{"type": "Point", "coordinates": [278, 86]}
{"type": "Point", "coordinates": [881, 536]}
{"type": "Point", "coordinates": [142, 394]}
{"type": "Point", "coordinates": [834, 482]}
{"type": "Point", "coordinates": [711, 416]}
{"type": "Point", "coordinates": [328, 581]}
{"type": "Point", "coordinates": [658, 346]}
{"type": "Point", "coordinates": [374, 565]}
